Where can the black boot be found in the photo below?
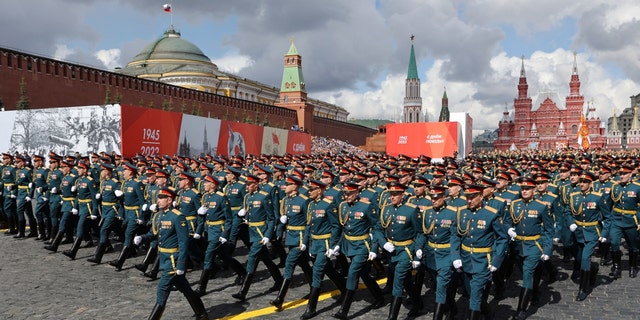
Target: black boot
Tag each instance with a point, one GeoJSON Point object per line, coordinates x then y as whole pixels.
{"type": "Point", "coordinates": [74, 249]}
{"type": "Point", "coordinates": [55, 242]}
{"type": "Point", "coordinates": [583, 292]}
{"type": "Point", "coordinates": [120, 261]}
{"type": "Point", "coordinates": [633, 264]}
{"type": "Point", "coordinates": [438, 313]}
{"type": "Point", "coordinates": [22, 225]}
{"type": "Point", "coordinates": [155, 267]}
{"type": "Point", "coordinates": [394, 309]}
{"type": "Point", "coordinates": [605, 253]}
{"type": "Point", "coordinates": [204, 279]}
{"type": "Point", "coordinates": [474, 315]}
{"type": "Point", "coordinates": [198, 307]}
{"type": "Point", "coordinates": [148, 259]}
{"type": "Point", "coordinates": [12, 226]}
{"type": "Point", "coordinates": [346, 305]}
{"type": "Point", "coordinates": [42, 235]}
{"type": "Point", "coordinates": [616, 271]}
{"type": "Point", "coordinates": [311, 304]}
{"type": "Point", "coordinates": [416, 298]}
{"type": "Point", "coordinates": [246, 283]}
{"type": "Point", "coordinates": [523, 304]}
{"type": "Point", "coordinates": [156, 313]}
{"type": "Point", "coordinates": [100, 249]}
{"type": "Point", "coordinates": [375, 291]}
{"type": "Point", "coordinates": [451, 298]}
{"type": "Point", "coordinates": [279, 300]}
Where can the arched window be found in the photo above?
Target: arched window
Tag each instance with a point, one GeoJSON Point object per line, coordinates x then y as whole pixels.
{"type": "Point", "coordinates": [522, 131]}
{"type": "Point", "coordinates": [574, 129]}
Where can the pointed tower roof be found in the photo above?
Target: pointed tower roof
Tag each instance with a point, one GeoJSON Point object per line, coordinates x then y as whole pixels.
{"type": "Point", "coordinates": [505, 114]}
{"type": "Point", "coordinates": [614, 123]}
{"type": "Point", "coordinates": [412, 73]}
{"type": "Point", "coordinates": [444, 111]}
{"type": "Point", "coordinates": [292, 79]}
{"type": "Point", "coordinates": [293, 51]}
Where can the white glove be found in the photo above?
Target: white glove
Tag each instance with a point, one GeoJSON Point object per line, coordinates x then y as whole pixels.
{"type": "Point", "coordinates": [61, 202]}
{"type": "Point", "coordinates": [98, 196]}
{"type": "Point", "coordinates": [264, 241]}
{"type": "Point", "coordinates": [329, 253]}
{"type": "Point", "coordinates": [144, 207]}
{"type": "Point", "coordinates": [556, 240]}
{"type": "Point", "coordinates": [419, 253]}
{"type": "Point", "coordinates": [43, 198]}
{"type": "Point", "coordinates": [54, 190]}
{"type": "Point", "coordinates": [544, 257]}
{"type": "Point", "coordinates": [336, 250]}
{"type": "Point", "coordinates": [73, 188]}
{"type": "Point", "coordinates": [30, 185]}
{"type": "Point", "coordinates": [39, 189]}
{"type": "Point", "coordinates": [118, 193]}
{"type": "Point", "coordinates": [137, 240]}
{"type": "Point", "coordinates": [222, 240]}
{"type": "Point", "coordinates": [284, 219]}
{"type": "Point", "coordinates": [139, 221]}
{"type": "Point", "coordinates": [602, 239]}
{"type": "Point", "coordinates": [13, 196]}
{"type": "Point", "coordinates": [303, 247]}
{"type": "Point", "coordinates": [389, 247]}
{"type": "Point", "coordinates": [573, 227]}
{"type": "Point", "coordinates": [492, 268]}
{"type": "Point", "coordinates": [74, 211]}
{"type": "Point", "coordinates": [153, 207]}
{"type": "Point", "coordinates": [27, 198]}
{"type": "Point", "coordinates": [196, 236]}
{"type": "Point", "coordinates": [174, 204]}
{"type": "Point", "coordinates": [8, 188]}
{"type": "Point", "coordinates": [179, 272]}
{"type": "Point", "coordinates": [93, 217]}
{"type": "Point", "coordinates": [512, 233]}
{"type": "Point", "coordinates": [0, 193]}
{"type": "Point", "coordinates": [242, 213]}
{"type": "Point", "coordinates": [372, 255]}
{"type": "Point", "coordinates": [202, 210]}
{"type": "Point", "coordinates": [415, 264]}
{"type": "Point", "coordinates": [457, 264]}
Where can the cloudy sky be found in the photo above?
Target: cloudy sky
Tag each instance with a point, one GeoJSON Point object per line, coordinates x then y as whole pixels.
{"type": "Point", "coordinates": [355, 53]}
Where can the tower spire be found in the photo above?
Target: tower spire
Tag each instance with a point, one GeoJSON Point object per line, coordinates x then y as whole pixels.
{"type": "Point", "coordinates": [523, 87]}
{"type": "Point", "coordinates": [444, 112]}
{"type": "Point", "coordinates": [574, 84]}
{"type": "Point", "coordinates": [412, 100]}
{"type": "Point", "coordinates": [614, 122]}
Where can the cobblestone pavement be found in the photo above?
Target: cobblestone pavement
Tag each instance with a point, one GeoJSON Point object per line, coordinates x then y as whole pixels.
{"type": "Point", "coordinates": [36, 284]}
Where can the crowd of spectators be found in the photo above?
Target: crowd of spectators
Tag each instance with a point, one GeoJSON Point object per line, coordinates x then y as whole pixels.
{"type": "Point", "coordinates": [323, 145]}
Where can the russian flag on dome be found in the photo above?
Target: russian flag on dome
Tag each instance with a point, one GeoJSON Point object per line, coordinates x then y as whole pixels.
{"type": "Point", "coordinates": [166, 7]}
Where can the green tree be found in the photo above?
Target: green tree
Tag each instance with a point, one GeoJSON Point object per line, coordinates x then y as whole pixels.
{"type": "Point", "coordinates": [167, 105]}
{"type": "Point", "coordinates": [118, 97]}
{"type": "Point", "coordinates": [23, 103]}
{"type": "Point", "coordinates": [265, 121]}
{"type": "Point", "coordinates": [227, 116]}
{"type": "Point", "coordinates": [257, 121]}
{"type": "Point", "coordinates": [183, 107]}
{"type": "Point", "coordinates": [107, 98]}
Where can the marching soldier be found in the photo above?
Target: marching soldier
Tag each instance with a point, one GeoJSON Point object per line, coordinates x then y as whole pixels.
{"type": "Point", "coordinates": [67, 190]}
{"type": "Point", "coordinates": [587, 209]}
{"type": "Point", "coordinates": [258, 212]}
{"type": "Point", "coordinates": [531, 227]}
{"type": "Point", "coordinates": [132, 200]}
{"type": "Point", "coordinates": [478, 245]}
{"type": "Point", "coordinates": [324, 232]}
{"type": "Point", "coordinates": [85, 207]}
{"type": "Point", "coordinates": [293, 217]}
{"type": "Point", "coordinates": [604, 185]}
{"type": "Point", "coordinates": [40, 176]}
{"type": "Point", "coordinates": [188, 202]}
{"type": "Point", "coordinates": [624, 221]}
{"type": "Point", "coordinates": [400, 225]}
{"type": "Point", "coordinates": [218, 218]}
{"type": "Point", "coordinates": [173, 238]}
{"type": "Point", "coordinates": [110, 206]}
{"type": "Point", "coordinates": [435, 248]}
{"type": "Point", "coordinates": [9, 192]}
{"type": "Point", "coordinates": [54, 181]}
{"type": "Point", "coordinates": [358, 219]}
{"type": "Point", "coordinates": [24, 194]}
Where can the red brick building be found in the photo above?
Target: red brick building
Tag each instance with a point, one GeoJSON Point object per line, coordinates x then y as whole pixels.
{"type": "Point", "coordinates": [548, 123]}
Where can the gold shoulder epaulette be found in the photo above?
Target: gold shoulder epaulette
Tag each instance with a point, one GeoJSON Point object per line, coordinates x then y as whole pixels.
{"type": "Point", "coordinates": [599, 194]}
{"type": "Point", "coordinates": [220, 193]}
{"type": "Point", "coordinates": [304, 197]}
{"type": "Point", "coordinates": [365, 200]}
{"type": "Point", "coordinates": [491, 209]}
{"type": "Point", "coordinates": [327, 200]}
{"type": "Point", "coordinates": [574, 193]}
{"type": "Point", "coordinates": [411, 205]}
{"type": "Point", "coordinates": [552, 194]}
{"type": "Point", "coordinates": [176, 211]}
{"type": "Point", "coordinates": [263, 193]}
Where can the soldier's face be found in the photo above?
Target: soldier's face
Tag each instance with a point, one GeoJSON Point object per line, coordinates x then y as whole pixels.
{"type": "Point", "coordinates": [161, 181]}
{"type": "Point", "coordinates": [574, 177]}
{"type": "Point", "coordinates": [252, 187]}
{"type": "Point", "coordinates": [438, 201]}
{"type": "Point", "coordinates": [474, 200]}
{"type": "Point", "coordinates": [502, 183]}
{"type": "Point", "coordinates": [350, 196]}
{"type": "Point", "coordinates": [625, 177]}
{"type": "Point", "coordinates": [527, 192]}
{"type": "Point", "coordinates": [585, 185]}
{"type": "Point", "coordinates": [164, 202]}
{"type": "Point", "coordinates": [396, 197]}
{"type": "Point", "coordinates": [541, 186]}
{"type": "Point", "coordinates": [209, 186]}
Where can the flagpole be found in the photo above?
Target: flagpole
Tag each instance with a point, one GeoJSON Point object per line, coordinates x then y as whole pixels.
{"type": "Point", "coordinates": [171, 13]}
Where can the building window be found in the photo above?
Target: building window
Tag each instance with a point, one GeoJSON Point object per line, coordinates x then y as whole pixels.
{"type": "Point", "coordinates": [574, 129]}
{"type": "Point", "coordinates": [522, 131]}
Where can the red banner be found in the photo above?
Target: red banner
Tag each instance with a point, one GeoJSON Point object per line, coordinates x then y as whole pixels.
{"type": "Point", "coordinates": [238, 138]}
{"type": "Point", "coordinates": [149, 131]}
{"type": "Point", "coordinates": [434, 139]}
{"type": "Point", "coordinates": [298, 143]}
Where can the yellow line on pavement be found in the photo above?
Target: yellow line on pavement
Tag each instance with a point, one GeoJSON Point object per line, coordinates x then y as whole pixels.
{"type": "Point", "coordinates": [290, 305]}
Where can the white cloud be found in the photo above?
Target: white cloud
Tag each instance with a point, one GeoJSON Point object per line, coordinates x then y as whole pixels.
{"type": "Point", "coordinates": [110, 58]}
{"type": "Point", "coordinates": [62, 51]}
{"type": "Point", "coordinates": [233, 63]}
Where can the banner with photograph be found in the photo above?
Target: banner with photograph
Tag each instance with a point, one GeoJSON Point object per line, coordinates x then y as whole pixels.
{"type": "Point", "coordinates": [198, 136]}
{"type": "Point", "coordinates": [274, 141]}
{"type": "Point", "coordinates": [149, 132]}
{"type": "Point", "coordinates": [240, 139]}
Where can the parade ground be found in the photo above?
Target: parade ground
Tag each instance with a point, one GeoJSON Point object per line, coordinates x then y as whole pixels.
{"type": "Point", "coordinates": [37, 284]}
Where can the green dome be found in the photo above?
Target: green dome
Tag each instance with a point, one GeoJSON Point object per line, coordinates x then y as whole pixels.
{"type": "Point", "coordinates": [171, 46]}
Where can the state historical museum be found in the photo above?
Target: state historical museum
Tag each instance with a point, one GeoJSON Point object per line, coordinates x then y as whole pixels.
{"type": "Point", "coordinates": [548, 123]}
